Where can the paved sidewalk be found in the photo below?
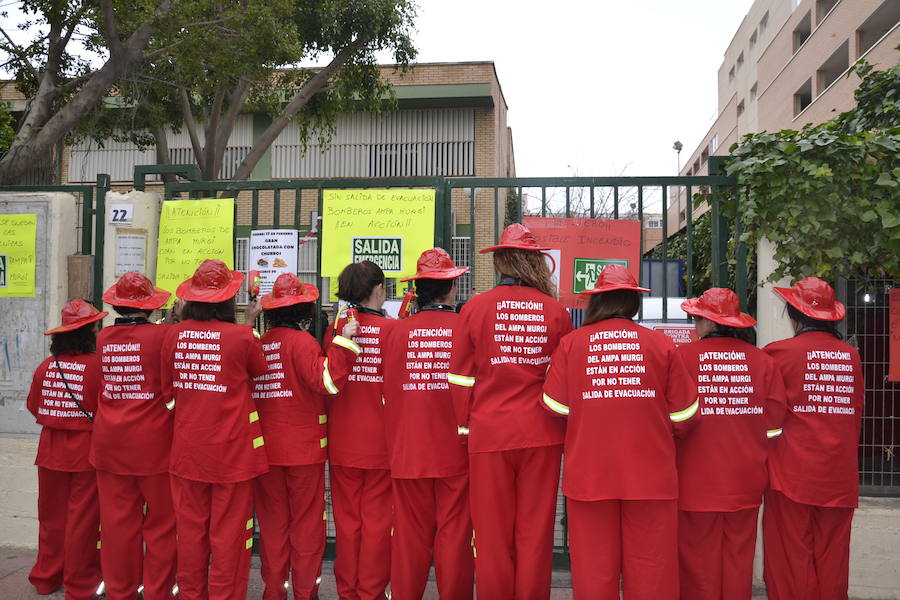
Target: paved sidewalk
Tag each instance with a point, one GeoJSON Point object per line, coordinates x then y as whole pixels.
{"type": "Point", "coordinates": [16, 562]}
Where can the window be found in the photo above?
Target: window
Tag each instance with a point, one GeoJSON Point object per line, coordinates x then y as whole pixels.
{"type": "Point", "coordinates": [714, 143]}
{"type": "Point", "coordinates": [833, 68]}
{"type": "Point", "coordinates": [753, 40]}
{"type": "Point", "coordinates": [740, 61]}
{"type": "Point", "coordinates": [654, 222]}
{"type": "Point", "coordinates": [753, 93]}
{"type": "Point", "coordinates": [882, 20]}
{"type": "Point", "coordinates": [704, 156]}
{"type": "Point", "coordinates": [802, 31]}
{"type": "Point", "coordinates": [803, 97]}
{"type": "Point", "coordinates": [682, 216]}
{"type": "Point", "coordinates": [740, 108]}
{"type": "Point", "coordinates": [763, 23]}
{"type": "Point", "coordinates": [731, 75]}
{"type": "Point", "coordinates": [823, 7]}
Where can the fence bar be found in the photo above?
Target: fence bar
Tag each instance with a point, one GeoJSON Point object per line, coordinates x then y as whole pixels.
{"type": "Point", "coordinates": [521, 206]}
{"type": "Point", "coordinates": [592, 203]}
{"type": "Point", "coordinates": [543, 201]}
{"type": "Point", "coordinates": [615, 202]}
{"type": "Point", "coordinates": [298, 200]}
{"type": "Point", "coordinates": [254, 215]}
{"type": "Point", "coordinates": [740, 256]}
{"type": "Point", "coordinates": [276, 209]}
{"type": "Point", "coordinates": [472, 233]}
{"type": "Point", "coordinates": [665, 251]}
{"type": "Point", "coordinates": [689, 212]}
{"type": "Point", "coordinates": [103, 185]}
{"type": "Point", "coordinates": [641, 266]}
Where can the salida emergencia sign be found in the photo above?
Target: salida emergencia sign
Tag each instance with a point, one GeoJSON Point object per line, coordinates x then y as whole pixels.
{"type": "Point", "coordinates": [386, 252]}
{"type": "Point", "coordinates": [586, 270]}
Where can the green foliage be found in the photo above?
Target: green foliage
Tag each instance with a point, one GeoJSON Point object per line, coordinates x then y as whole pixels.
{"type": "Point", "coordinates": [827, 196]}
{"type": "Point", "coordinates": [7, 130]}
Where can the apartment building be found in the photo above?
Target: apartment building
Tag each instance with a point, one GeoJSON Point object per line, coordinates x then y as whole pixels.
{"type": "Point", "coordinates": [786, 67]}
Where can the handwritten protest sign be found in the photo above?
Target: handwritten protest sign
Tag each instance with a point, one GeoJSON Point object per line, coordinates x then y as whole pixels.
{"type": "Point", "coordinates": [389, 227]}
{"type": "Point", "coordinates": [585, 247]}
{"type": "Point", "coordinates": [18, 240]}
{"type": "Point", "coordinates": [191, 231]}
{"type": "Point", "coordinates": [273, 252]}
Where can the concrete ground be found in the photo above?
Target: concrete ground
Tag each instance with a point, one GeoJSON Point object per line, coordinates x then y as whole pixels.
{"type": "Point", "coordinates": [16, 562]}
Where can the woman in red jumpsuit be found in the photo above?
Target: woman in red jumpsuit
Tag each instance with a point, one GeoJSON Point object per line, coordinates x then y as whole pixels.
{"type": "Point", "coordinates": [63, 399]}
{"type": "Point", "coordinates": [813, 467]}
{"type": "Point", "coordinates": [290, 498]}
{"type": "Point", "coordinates": [500, 355]}
{"type": "Point", "coordinates": [623, 390]}
{"type": "Point", "coordinates": [357, 446]}
{"type": "Point", "coordinates": [429, 467]}
{"type": "Point", "coordinates": [722, 465]}
{"type": "Point", "coordinates": [208, 364]}
{"type": "Point", "coordinates": [130, 448]}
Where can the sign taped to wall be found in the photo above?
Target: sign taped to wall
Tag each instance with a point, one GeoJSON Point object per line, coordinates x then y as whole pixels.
{"type": "Point", "coordinates": [894, 335]}
{"type": "Point", "coordinates": [585, 247]}
{"type": "Point", "coordinates": [18, 255]}
{"type": "Point", "coordinates": [191, 231]}
{"type": "Point", "coordinates": [389, 227]}
{"type": "Point", "coordinates": [273, 252]}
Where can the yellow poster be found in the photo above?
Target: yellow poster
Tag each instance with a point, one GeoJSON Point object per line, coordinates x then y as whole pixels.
{"type": "Point", "coordinates": [389, 227]}
{"type": "Point", "coordinates": [190, 231]}
{"type": "Point", "coordinates": [18, 255]}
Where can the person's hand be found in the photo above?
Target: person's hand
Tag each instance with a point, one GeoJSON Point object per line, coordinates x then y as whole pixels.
{"type": "Point", "coordinates": [252, 312]}
{"type": "Point", "coordinates": [350, 329]}
{"type": "Point", "coordinates": [174, 314]}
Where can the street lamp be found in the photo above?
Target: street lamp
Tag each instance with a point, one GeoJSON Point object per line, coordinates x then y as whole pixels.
{"type": "Point", "coordinates": [677, 146]}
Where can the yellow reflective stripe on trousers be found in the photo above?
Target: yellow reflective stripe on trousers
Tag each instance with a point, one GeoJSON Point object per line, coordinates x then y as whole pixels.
{"type": "Point", "coordinates": [774, 433]}
{"type": "Point", "coordinates": [461, 430]}
{"type": "Point", "coordinates": [254, 417]}
{"type": "Point", "coordinates": [323, 419]}
{"type": "Point", "coordinates": [347, 343]}
{"type": "Point", "coordinates": [555, 406]}
{"type": "Point", "coordinates": [248, 544]}
{"type": "Point", "coordinates": [684, 415]}
{"type": "Point", "coordinates": [250, 523]}
{"type": "Point", "coordinates": [258, 441]}
{"type": "Point", "coordinates": [170, 404]}
{"type": "Point", "coordinates": [326, 379]}
{"type": "Point", "coordinates": [462, 380]}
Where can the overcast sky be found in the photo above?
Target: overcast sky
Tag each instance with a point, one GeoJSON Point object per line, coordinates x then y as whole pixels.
{"type": "Point", "coordinates": [593, 87]}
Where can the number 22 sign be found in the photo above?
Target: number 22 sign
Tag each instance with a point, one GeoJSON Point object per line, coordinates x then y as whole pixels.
{"type": "Point", "coordinates": [120, 214]}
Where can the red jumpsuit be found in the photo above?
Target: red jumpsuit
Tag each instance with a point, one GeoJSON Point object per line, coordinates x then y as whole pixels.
{"type": "Point", "coordinates": [290, 498]}
{"type": "Point", "coordinates": [359, 470]}
{"type": "Point", "coordinates": [429, 465]}
{"type": "Point", "coordinates": [500, 355]}
{"type": "Point", "coordinates": [814, 469]}
{"type": "Point", "coordinates": [722, 465]}
{"type": "Point", "coordinates": [130, 450]}
{"type": "Point", "coordinates": [624, 390]}
{"type": "Point", "coordinates": [68, 512]}
{"type": "Point", "coordinates": [217, 450]}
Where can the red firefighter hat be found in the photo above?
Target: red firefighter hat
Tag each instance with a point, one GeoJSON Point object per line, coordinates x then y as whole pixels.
{"type": "Point", "coordinates": [814, 298]}
{"type": "Point", "coordinates": [135, 291]}
{"type": "Point", "coordinates": [76, 314]}
{"type": "Point", "coordinates": [212, 282]}
{"type": "Point", "coordinates": [614, 277]}
{"type": "Point", "coordinates": [516, 236]}
{"type": "Point", "coordinates": [289, 290]}
{"type": "Point", "coordinates": [436, 264]}
{"type": "Point", "coordinates": [719, 305]}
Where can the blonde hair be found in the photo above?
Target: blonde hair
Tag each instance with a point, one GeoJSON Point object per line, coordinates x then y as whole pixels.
{"type": "Point", "coordinates": [528, 266]}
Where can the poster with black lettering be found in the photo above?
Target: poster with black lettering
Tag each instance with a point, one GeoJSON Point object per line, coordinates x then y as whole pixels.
{"type": "Point", "coordinates": [520, 333]}
{"type": "Point", "coordinates": [615, 366]}
{"type": "Point", "coordinates": [273, 252]}
{"type": "Point", "coordinates": [198, 361]}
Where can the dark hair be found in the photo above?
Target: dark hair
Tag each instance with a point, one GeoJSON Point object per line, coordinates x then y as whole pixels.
{"type": "Point", "coordinates": [209, 311]}
{"type": "Point", "coordinates": [428, 291]}
{"type": "Point", "coordinates": [290, 316]}
{"type": "Point", "coordinates": [357, 280]}
{"type": "Point", "coordinates": [78, 341]}
{"type": "Point", "coordinates": [617, 303]}
{"type": "Point", "coordinates": [129, 310]}
{"type": "Point", "coordinates": [746, 334]}
{"type": "Point", "coordinates": [527, 266]}
{"type": "Point", "coordinates": [807, 321]}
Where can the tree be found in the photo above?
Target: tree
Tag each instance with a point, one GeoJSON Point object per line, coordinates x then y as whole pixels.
{"type": "Point", "coordinates": [828, 196]}
{"type": "Point", "coordinates": [245, 61]}
{"type": "Point", "coordinates": [63, 88]}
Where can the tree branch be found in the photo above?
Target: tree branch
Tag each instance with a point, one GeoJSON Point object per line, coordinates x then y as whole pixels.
{"type": "Point", "coordinates": [109, 24]}
{"type": "Point", "coordinates": [191, 123]}
{"type": "Point", "coordinates": [303, 96]}
{"type": "Point", "coordinates": [16, 49]}
{"type": "Point", "coordinates": [236, 102]}
{"type": "Point", "coordinates": [212, 133]}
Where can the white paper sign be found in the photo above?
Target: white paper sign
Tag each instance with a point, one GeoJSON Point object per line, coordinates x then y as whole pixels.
{"type": "Point", "coordinates": [553, 259]}
{"type": "Point", "coordinates": [131, 253]}
{"type": "Point", "coordinates": [273, 252]}
{"type": "Point", "coordinates": [120, 214]}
